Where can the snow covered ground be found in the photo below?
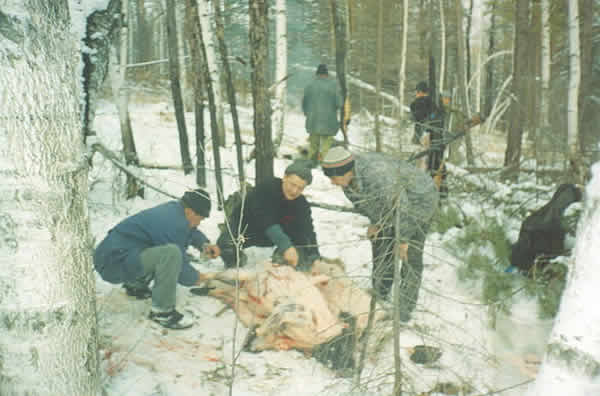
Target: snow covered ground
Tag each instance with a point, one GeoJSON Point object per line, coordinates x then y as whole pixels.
{"type": "Point", "coordinates": [141, 359]}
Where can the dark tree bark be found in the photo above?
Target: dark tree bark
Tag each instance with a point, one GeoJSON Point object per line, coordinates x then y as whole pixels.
{"type": "Point", "coordinates": [101, 31]}
{"type": "Point", "coordinates": [192, 29]}
{"type": "Point", "coordinates": [512, 155]}
{"type": "Point", "coordinates": [588, 134]}
{"type": "Point", "coordinates": [220, 33]}
{"type": "Point", "coordinates": [489, 67]}
{"type": "Point", "coordinates": [339, 22]}
{"type": "Point", "coordinates": [468, 42]}
{"type": "Point", "coordinates": [144, 34]}
{"type": "Point", "coordinates": [259, 51]}
{"type": "Point", "coordinates": [176, 88]}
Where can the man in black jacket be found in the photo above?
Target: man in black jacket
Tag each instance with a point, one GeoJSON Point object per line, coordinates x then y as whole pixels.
{"type": "Point", "coordinates": [274, 213]}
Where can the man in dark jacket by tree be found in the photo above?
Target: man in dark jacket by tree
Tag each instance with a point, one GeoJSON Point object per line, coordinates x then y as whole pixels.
{"type": "Point", "coordinates": [378, 186]}
{"type": "Point", "coordinates": [320, 104]}
{"type": "Point", "coordinates": [423, 113]}
{"type": "Point", "coordinates": [274, 213]}
{"type": "Point", "coordinates": [152, 244]}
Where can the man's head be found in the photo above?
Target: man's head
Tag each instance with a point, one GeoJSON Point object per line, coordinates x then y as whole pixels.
{"type": "Point", "coordinates": [338, 165]}
{"type": "Point", "coordinates": [422, 89]}
{"type": "Point", "coordinates": [196, 206]}
{"type": "Point", "coordinates": [322, 70]}
{"type": "Point", "coordinates": [296, 176]}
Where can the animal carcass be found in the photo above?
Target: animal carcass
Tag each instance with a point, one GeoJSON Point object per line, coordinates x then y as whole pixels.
{"type": "Point", "coordinates": [291, 309]}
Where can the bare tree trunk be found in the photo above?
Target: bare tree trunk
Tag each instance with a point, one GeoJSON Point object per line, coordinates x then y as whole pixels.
{"type": "Point", "coordinates": [214, 127]}
{"type": "Point", "coordinates": [462, 82]}
{"type": "Point", "coordinates": [575, 160]}
{"type": "Point", "coordinates": [402, 72]}
{"type": "Point", "coordinates": [259, 51]}
{"type": "Point", "coordinates": [121, 94]}
{"type": "Point", "coordinates": [546, 61]}
{"type": "Point", "coordinates": [280, 72]}
{"type": "Point", "coordinates": [587, 132]}
{"type": "Point", "coordinates": [185, 90]}
{"type": "Point", "coordinates": [512, 156]}
{"type": "Point", "coordinates": [192, 33]}
{"type": "Point", "coordinates": [340, 15]}
{"type": "Point", "coordinates": [176, 89]}
{"type": "Point", "coordinates": [572, 360]}
{"type": "Point", "coordinates": [397, 303]}
{"type": "Point", "coordinates": [220, 34]}
{"type": "Point", "coordinates": [48, 313]}
{"type": "Point", "coordinates": [489, 68]}
{"type": "Point", "coordinates": [213, 69]}
{"type": "Point", "coordinates": [378, 76]}
{"type": "Point", "coordinates": [442, 45]}
{"type": "Point", "coordinates": [101, 29]}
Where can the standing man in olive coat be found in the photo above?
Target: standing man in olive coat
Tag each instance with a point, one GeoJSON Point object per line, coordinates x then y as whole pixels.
{"type": "Point", "coordinates": [321, 102]}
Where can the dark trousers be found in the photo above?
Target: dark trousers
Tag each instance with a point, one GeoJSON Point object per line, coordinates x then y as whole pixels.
{"type": "Point", "coordinates": [411, 271]}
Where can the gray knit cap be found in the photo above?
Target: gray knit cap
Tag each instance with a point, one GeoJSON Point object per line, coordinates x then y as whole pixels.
{"type": "Point", "coordinates": [337, 161]}
{"type": "Point", "coordinates": [302, 169]}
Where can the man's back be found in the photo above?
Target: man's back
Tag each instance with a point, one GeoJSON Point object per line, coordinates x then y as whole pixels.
{"type": "Point", "coordinates": [320, 104]}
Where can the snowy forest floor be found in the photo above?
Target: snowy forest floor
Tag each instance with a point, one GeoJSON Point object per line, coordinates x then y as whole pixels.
{"type": "Point", "coordinates": [141, 359]}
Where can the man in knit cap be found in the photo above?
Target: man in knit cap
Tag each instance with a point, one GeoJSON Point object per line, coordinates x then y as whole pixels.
{"type": "Point", "coordinates": [274, 213]}
{"type": "Point", "coordinates": [321, 102]}
{"type": "Point", "coordinates": [379, 186]}
{"type": "Point", "coordinates": [152, 244]}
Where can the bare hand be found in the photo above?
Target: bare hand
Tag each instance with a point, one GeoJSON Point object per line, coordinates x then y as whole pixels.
{"type": "Point", "coordinates": [372, 231]}
{"type": "Point", "coordinates": [212, 251]}
{"type": "Point", "coordinates": [291, 256]}
{"type": "Point", "coordinates": [402, 251]}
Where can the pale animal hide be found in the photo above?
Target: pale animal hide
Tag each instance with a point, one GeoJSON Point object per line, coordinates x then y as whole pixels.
{"type": "Point", "coordinates": [291, 309]}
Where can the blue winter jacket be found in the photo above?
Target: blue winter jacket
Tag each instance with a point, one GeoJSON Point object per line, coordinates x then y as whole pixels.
{"type": "Point", "coordinates": [117, 257]}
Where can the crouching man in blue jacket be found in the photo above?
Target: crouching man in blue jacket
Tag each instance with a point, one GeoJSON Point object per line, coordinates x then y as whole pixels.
{"type": "Point", "coordinates": [152, 244]}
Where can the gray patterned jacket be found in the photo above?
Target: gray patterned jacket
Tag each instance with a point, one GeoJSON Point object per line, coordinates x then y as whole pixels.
{"type": "Point", "coordinates": [381, 181]}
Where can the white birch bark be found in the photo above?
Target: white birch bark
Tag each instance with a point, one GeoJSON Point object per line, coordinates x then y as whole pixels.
{"type": "Point", "coordinates": [281, 63]}
{"type": "Point", "coordinates": [574, 76]}
{"type": "Point", "coordinates": [571, 365]}
{"type": "Point", "coordinates": [205, 14]}
{"type": "Point", "coordinates": [545, 65]}
{"type": "Point", "coordinates": [48, 325]}
{"type": "Point", "coordinates": [402, 73]}
{"type": "Point", "coordinates": [443, 46]}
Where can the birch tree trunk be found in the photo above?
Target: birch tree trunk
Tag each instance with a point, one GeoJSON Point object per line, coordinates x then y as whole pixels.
{"type": "Point", "coordinates": [402, 72]}
{"type": "Point", "coordinates": [48, 343]}
{"type": "Point", "coordinates": [545, 60]}
{"type": "Point", "coordinates": [176, 88]}
{"type": "Point", "coordinates": [378, 76]}
{"type": "Point", "coordinates": [211, 61]}
{"type": "Point", "coordinates": [463, 93]}
{"type": "Point", "coordinates": [220, 34]}
{"type": "Point", "coordinates": [571, 365]}
{"type": "Point", "coordinates": [214, 128]}
{"type": "Point", "coordinates": [443, 46]}
{"type": "Point", "coordinates": [573, 99]}
{"type": "Point", "coordinates": [121, 94]}
{"type": "Point", "coordinates": [259, 55]}
{"type": "Point", "coordinates": [280, 72]}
